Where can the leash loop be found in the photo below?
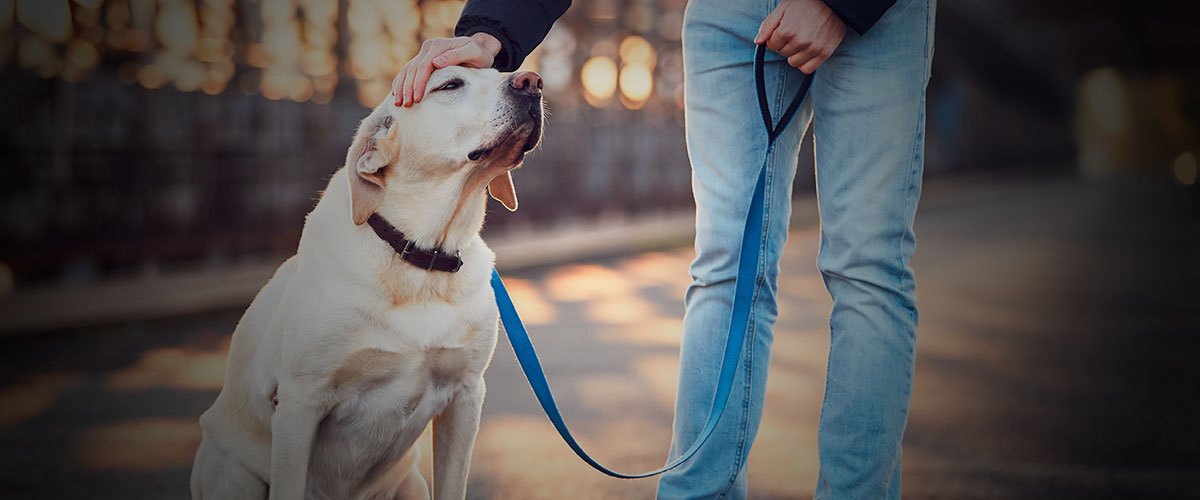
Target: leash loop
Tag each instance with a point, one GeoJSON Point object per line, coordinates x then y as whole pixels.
{"type": "Point", "coordinates": [747, 276]}
{"type": "Point", "coordinates": [773, 129]}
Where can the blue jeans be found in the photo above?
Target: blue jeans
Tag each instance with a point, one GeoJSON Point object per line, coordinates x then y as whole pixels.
{"type": "Point", "coordinates": [867, 109]}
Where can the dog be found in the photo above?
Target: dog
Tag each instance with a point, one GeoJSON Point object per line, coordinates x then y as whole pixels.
{"type": "Point", "coordinates": [358, 342]}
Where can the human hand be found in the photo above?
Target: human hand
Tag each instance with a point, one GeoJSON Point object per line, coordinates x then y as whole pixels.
{"type": "Point", "coordinates": [806, 32]}
{"type": "Point", "coordinates": [475, 51]}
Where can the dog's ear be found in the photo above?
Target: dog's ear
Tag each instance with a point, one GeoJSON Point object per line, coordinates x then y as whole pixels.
{"type": "Point", "coordinates": [366, 163]}
{"type": "Point", "coordinates": [501, 188]}
{"type": "Point", "coordinates": [366, 192]}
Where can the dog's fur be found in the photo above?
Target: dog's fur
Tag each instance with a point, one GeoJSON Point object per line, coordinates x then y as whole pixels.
{"type": "Point", "coordinates": [348, 352]}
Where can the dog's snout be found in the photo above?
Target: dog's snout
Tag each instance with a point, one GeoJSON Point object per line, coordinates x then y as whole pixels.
{"type": "Point", "coordinates": [527, 82]}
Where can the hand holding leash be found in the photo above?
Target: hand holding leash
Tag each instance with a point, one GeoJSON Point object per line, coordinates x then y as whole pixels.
{"type": "Point", "coordinates": [739, 323]}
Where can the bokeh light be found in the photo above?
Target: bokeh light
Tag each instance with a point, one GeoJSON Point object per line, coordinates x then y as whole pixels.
{"type": "Point", "coordinates": [299, 50]}
{"type": "Point", "coordinates": [383, 36]}
{"type": "Point", "coordinates": [1104, 95]}
{"type": "Point", "coordinates": [637, 71]}
{"type": "Point", "coordinates": [295, 49]}
{"type": "Point", "coordinates": [599, 76]}
{"type": "Point", "coordinates": [636, 50]}
{"type": "Point", "coordinates": [556, 61]}
{"type": "Point", "coordinates": [636, 85]}
{"type": "Point", "coordinates": [1183, 169]}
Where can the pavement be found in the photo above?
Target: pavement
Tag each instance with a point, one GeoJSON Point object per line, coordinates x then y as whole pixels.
{"type": "Point", "coordinates": [1055, 359]}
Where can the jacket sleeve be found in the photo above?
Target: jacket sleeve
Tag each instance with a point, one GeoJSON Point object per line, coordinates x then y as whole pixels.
{"type": "Point", "coordinates": [859, 15]}
{"type": "Point", "coordinates": [519, 25]}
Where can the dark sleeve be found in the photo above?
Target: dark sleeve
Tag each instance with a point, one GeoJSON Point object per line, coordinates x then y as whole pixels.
{"type": "Point", "coordinates": [519, 25]}
{"type": "Point", "coordinates": [859, 15]}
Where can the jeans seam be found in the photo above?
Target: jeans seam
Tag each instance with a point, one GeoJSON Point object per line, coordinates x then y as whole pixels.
{"type": "Point", "coordinates": [759, 279]}
{"type": "Point", "coordinates": [909, 201]}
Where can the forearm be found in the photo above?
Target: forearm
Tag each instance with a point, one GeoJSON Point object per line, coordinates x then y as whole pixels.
{"type": "Point", "coordinates": [859, 15]}
{"type": "Point", "coordinates": [518, 25]}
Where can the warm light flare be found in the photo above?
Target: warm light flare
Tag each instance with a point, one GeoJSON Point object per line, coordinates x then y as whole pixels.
{"type": "Point", "coordinates": [296, 49]}
{"type": "Point", "coordinates": [599, 76]}
{"type": "Point", "coordinates": [636, 50]}
{"type": "Point", "coordinates": [176, 27]}
{"type": "Point", "coordinates": [144, 445]}
{"type": "Point", "coordinates": [383, 35]}
{"type": "Point", "coordinates": [636, 85]}
{"type": "Point", "coordinates": [290, 49]}
{"type": "Point", "coordinates": [82, 53]}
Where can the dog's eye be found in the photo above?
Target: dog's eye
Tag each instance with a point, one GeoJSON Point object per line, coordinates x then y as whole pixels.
{"type": "Point", "coordinates": [450, 85]}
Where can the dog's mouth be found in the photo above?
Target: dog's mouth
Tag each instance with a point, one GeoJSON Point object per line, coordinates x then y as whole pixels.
{"type": "Point", "coordinates": [515, 143]}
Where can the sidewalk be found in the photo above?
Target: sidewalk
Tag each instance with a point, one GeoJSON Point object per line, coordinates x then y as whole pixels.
{"type": "Point", "coordinates": [1049, 365]}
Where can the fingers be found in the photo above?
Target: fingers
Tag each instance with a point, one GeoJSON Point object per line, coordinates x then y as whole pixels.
{"type": "Point", "coordinates": [401, 83]}
{"type": "Point", "coordinates": [469, 55]}
{"type": "Point", "coordinates": [809, 60]}
{"type": "Point", "coordinates": [799, 60]}
{"type": "Point", "coordinates": [409, 85]}
{"type": "Point", "coordinates": [795, 46]}
{"type": "Point", "coordinates": [778, 40]}
{"type": "Point", "coordinates": [410, 73]}
{"type": "Point", "coordinates": [768, 26]}
{"type": "Point", "coordinates": [424, 68]}
{"type": "Point", "coordinates": [804, 32]}
{"type": "Point", "coordinates": [811, 65]}
{"type": "Point", "coordinates": [397, 84]}
{"type": "Point", "coordinates": [436, 53]}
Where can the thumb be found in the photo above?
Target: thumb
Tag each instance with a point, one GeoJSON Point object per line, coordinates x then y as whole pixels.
{"type": "Point", "coordinates": [467, 54]}
{"type": "Point", "coordinates": [768, 25]}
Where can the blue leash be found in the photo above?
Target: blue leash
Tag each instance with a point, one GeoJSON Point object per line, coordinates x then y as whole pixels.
{"type": "Point", "coordinates": [739, 323]}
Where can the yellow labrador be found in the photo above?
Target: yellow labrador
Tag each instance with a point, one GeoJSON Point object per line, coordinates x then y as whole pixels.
{"type": "Point", "coordinates": [384, 319]}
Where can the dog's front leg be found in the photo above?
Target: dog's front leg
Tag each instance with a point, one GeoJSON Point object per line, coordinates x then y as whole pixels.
{"type": "Point", "coordinates": [453, 439]}
{"type": "Point", "coordinates": [293, 429]}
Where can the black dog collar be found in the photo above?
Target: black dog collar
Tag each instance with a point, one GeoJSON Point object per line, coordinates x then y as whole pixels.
{"type": "Point", "coordinates": [429, 260]}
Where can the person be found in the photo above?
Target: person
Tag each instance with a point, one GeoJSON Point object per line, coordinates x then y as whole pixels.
{"type": "Point", "coordinates": [867, 111]}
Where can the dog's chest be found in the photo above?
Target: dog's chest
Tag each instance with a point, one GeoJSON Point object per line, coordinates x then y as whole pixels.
{"type": "Point", "coordinates": [422, 325]}
{"type": "Point", "coordinates": [386, 399]}
{"type": "Point", "coordinates": [410, 382]}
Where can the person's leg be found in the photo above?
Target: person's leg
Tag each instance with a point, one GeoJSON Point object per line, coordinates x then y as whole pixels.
{"type": "Point", "coordinates": [727, 145]}
{"type": "Point", "coordinates": [868, 125]}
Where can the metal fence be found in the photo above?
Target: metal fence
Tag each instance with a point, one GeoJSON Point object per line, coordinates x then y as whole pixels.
{"type": "Point", "coordinates": [149, 134]}
{"type": "Point", "coordinates": [120, 158]}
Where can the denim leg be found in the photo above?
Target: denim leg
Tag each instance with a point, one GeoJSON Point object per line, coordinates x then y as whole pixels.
{"type": "Point", "coordinates": [727, 145]}
{"type": "Point", "coordinates": [868, 125]}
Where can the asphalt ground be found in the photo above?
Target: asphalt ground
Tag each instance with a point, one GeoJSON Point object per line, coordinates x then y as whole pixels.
{"type": "Point", "coordinates": [1056, 359]}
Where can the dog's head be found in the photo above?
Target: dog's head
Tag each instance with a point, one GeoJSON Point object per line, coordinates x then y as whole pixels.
{"type": "Point", "coordinates": [473, 127]}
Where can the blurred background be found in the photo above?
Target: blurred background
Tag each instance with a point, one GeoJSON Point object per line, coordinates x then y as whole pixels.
{"type": "Point", "coordinates": [159, 157]}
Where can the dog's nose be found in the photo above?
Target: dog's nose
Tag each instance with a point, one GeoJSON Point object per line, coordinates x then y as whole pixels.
{"type": "Point", "coordinates": [527, 81]}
